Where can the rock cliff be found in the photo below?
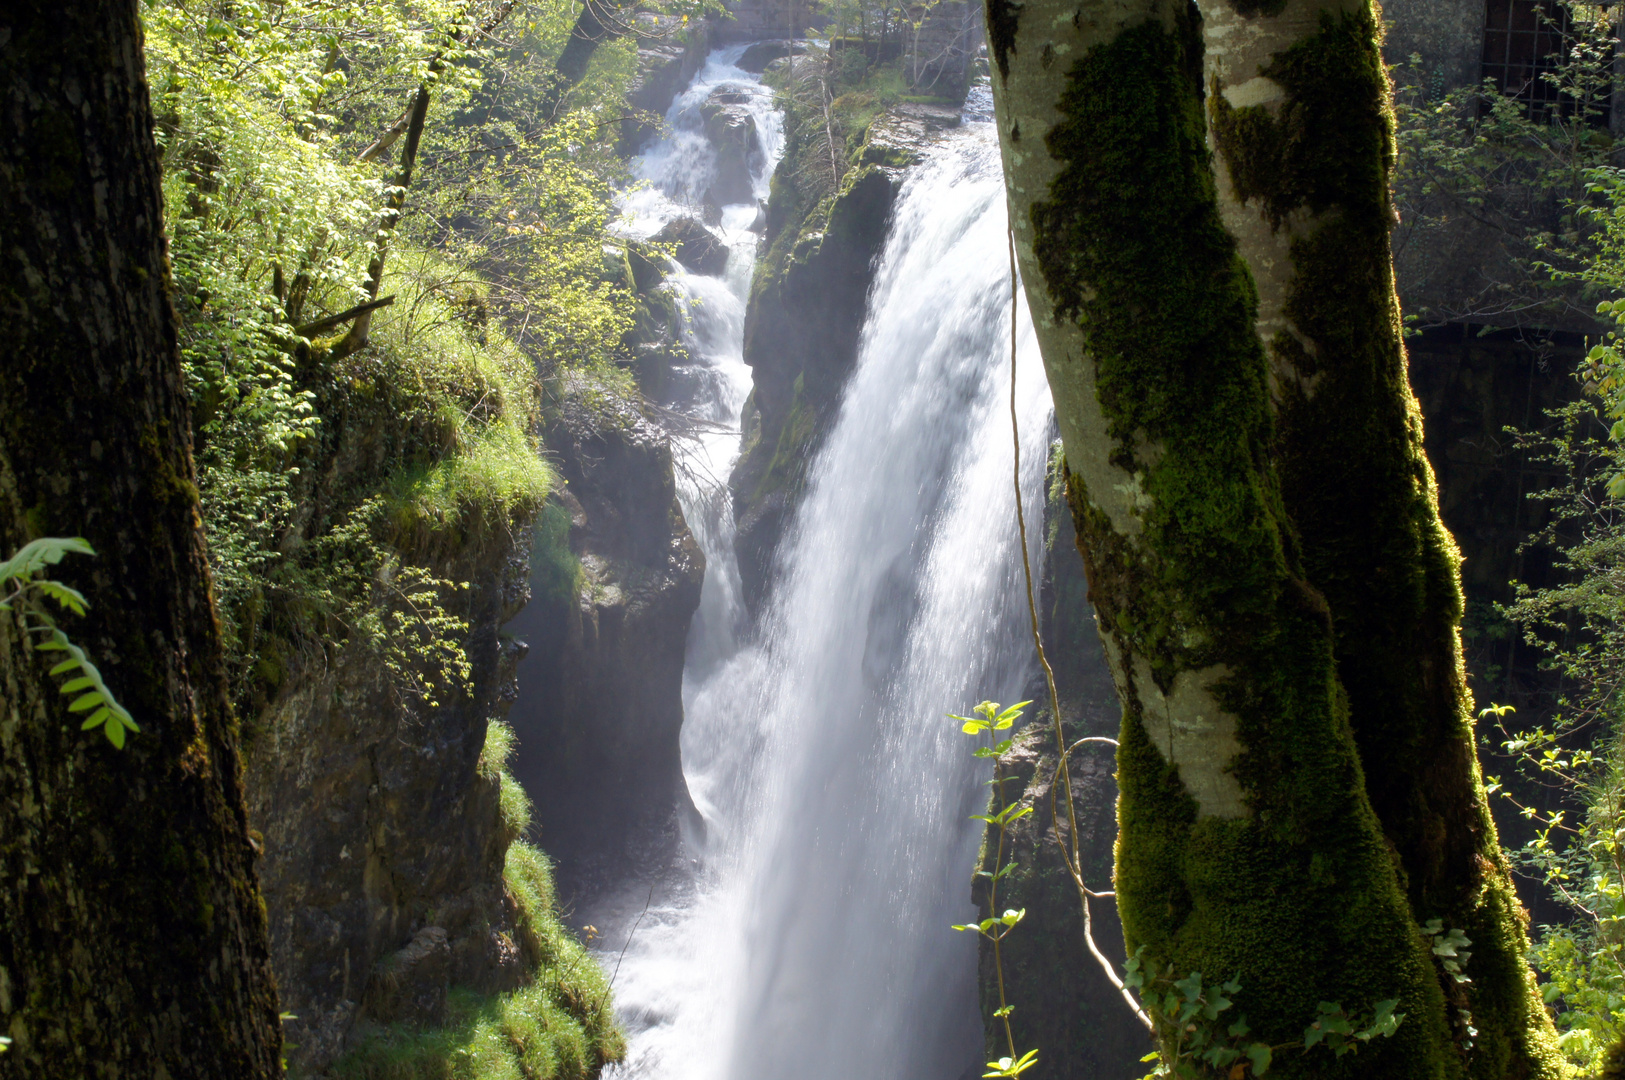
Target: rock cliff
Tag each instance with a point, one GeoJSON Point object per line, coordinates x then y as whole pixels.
{"type": "Point", "coordinates": [618, 578]}
{"type": "Point", "coordinates": [378, 665]}
{"type": "Point", "coordinates": [807, 307]}
{"type": "Point", "coordinates": [383, 839]}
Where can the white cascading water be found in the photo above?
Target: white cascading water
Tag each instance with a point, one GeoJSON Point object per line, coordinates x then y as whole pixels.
{"type": "Point", "coordinates": [808, 936]}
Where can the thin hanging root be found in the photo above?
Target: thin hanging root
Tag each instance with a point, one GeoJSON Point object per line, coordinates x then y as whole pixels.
{"type": "Point", "coordinates": [1063, 775]}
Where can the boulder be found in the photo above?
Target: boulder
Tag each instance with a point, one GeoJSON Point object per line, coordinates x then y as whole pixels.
{"type": "Point", "coordinates": [759, 54]}
{"type": "Point", "coordinates": [670, 52]}
{"type": "Point", "coordinates": [695, 246]}
{"type": "Point", "coordinates": [731, 130]}
{"type": "Point", "coordinates": [600, 707]}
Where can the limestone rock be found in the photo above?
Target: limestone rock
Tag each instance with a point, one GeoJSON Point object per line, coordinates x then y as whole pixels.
{"type": "Point", "coordinates": [381, 837]}
{"type": "Point", "coordinates": [731, 130]}
{"type": "Point", "coordinates": [696, 247]}
{"type": "Point", "coordinates": [600, 706]}
{"type": "Point", "coordinates": [669, 54]}
{"type": "Point", "coordinates": [759, 54]}
{"type": "Point", "coordinates": [806, 312]}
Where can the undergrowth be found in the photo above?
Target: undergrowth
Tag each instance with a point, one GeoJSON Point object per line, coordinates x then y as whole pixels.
{"type": "Point", "coordinates": [558, 1027]}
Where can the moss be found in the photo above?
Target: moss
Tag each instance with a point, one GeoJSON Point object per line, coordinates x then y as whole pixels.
{"type": "Point", "coordinates": [556, 576]}
{"type": "Point", "coordinates": [787, 468]}
{"type": "Point", "coordinates": [496, 478]}
{"type": "Point", "coordinates": [1361, 494]}
{"type": "Point", "coordinates": [1252, 8]}
{"type": "Point", "coordinates": [1003, 17]}
{"type": "Point", "coordinates": [560, 1026]}
{"type": "Point", "coordinates": [1298, 899]}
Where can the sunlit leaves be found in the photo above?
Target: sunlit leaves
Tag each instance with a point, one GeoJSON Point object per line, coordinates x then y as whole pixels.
{"type": "Point", "coordinates": [1006, 1066]}
{"type": "Point", "coordinates": [90, 694]}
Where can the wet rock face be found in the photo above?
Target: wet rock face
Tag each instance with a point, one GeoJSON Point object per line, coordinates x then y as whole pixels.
{"type": "Point", "coordinates": [806, 313]}
{"type": "Point", "coordinates": [697, 247]}
{"type": "Point", "coordinates": [383, 844]}
{"type": "Point", "coordinates": [731, 130]}
{"type": "Point", "coordinates": [600, 704]}
{"type": "Point", "coordinates": [669, 54]}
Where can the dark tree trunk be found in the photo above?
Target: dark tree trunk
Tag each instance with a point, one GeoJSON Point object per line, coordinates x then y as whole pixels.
{"type": "Point", "coordinates": [599, 21]}
{"type": "Point", "coordinates": [132, 936]}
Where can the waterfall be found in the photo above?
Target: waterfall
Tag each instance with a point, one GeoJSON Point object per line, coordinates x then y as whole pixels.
{"type": "Point", "coordinates": [808, 935]}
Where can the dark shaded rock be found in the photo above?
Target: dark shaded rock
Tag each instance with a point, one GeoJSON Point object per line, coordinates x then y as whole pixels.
{"type": "Point", "coordinates": [410, 984]}
{"type": "Point", "coordinates": [806, 312]}
{"type": "Point", "coordinates": [1063, 1002]}
{"type": "Point", "coordinates": [600, 706]}
{"type": "Point", "coordinates": [695, 246]}
{"type": "Point", "coordinates": [670, 52]}
{"type": "Point", "coordinates": [761, 20]}
{"type": "Point", "coordinates": [759, 54]}
{"type": "Point", "coordinates": [378, 824]}
{"type": "Point", "coordinates": [731, 130]}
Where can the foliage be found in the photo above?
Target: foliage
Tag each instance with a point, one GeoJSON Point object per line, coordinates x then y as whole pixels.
{"type": "Point", "coordinates": [1194, 1041]}
{"type": "Point", "coordinates": [23, 591]}
{"type": "Point", "coordinates": [1544, 190]}
{"type": "Point", "coordinates": [1575, 758]}
{"type": "Point", "coordinates": [334, 486]}
{"type": "Point", "coordinates": [990, 720]}
{"type": "Point", "coordinates": [1476, 158]}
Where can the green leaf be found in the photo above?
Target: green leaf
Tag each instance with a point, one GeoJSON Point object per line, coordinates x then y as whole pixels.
{"type": "Point", "coordinates": [36, 555]}
{"type": "Point", "coordinates": [115, 733]}
{"type": "Point", "coordinates": [73, 686]}
{"type": "Point", "coordinates": [87, 701]}
{"type": "Point", "coordinates": [67, 598]}
{"type": "Point", "coordinates": [65, 666]}
{"type": "Point", "coordinates": [1261, 1056]}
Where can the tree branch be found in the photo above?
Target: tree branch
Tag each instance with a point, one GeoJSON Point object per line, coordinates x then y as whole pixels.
{"type": "Point", "coordinates": [344, 316]}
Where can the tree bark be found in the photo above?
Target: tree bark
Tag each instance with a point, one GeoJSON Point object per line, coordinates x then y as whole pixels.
{"type": "Point", "coordinates": [1300, 118]}
{"type": "Point", "coordinates": [132, 934]}
{"type": "Point", "coordinates": [599, 21]}
{"type": "Point", "coordinates": [1165, 305]}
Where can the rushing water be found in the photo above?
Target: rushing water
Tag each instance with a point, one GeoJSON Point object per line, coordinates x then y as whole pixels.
{"type": "Point", "coordinates": [808, 936]}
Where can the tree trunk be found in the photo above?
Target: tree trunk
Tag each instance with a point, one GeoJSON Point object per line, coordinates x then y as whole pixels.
{"type": "Point", "coordinates": [599, 21]}
{"type": "Point", "coordinates": [1249, 843]}
{"type": "Point", "coordinates": [132, 934]}
{"type": "Point", "coordinates": [1299, 114]}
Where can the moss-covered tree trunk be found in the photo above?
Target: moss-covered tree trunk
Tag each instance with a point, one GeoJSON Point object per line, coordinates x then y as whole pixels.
{"type": "Point", "coordinates": [1277, 596]}
{"type": "Point", "coordinates": [1299, 116]}
{"type": "Point", "coordinates": [132, 936]}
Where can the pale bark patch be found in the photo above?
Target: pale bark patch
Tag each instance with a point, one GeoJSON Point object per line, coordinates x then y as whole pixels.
{"type": "Point", "coordinates": [1189, 728]}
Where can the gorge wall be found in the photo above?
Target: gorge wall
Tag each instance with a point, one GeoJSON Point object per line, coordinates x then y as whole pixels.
{"type": "Point", "coordinates": [807, 306]}
{"type": "Point", "coordinates": [601, 705]}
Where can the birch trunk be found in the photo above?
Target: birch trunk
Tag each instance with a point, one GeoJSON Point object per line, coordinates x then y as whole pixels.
{"type": "Point", "coordinates": [132, 934]}
{"type": "Point", "coordinates": [1300, 121]}
{"type": "Point", "coordinates": [1165, 303]}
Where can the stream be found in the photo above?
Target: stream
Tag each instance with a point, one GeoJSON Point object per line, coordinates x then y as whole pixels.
{"type": "Point", "coordinates": [805, 934]}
